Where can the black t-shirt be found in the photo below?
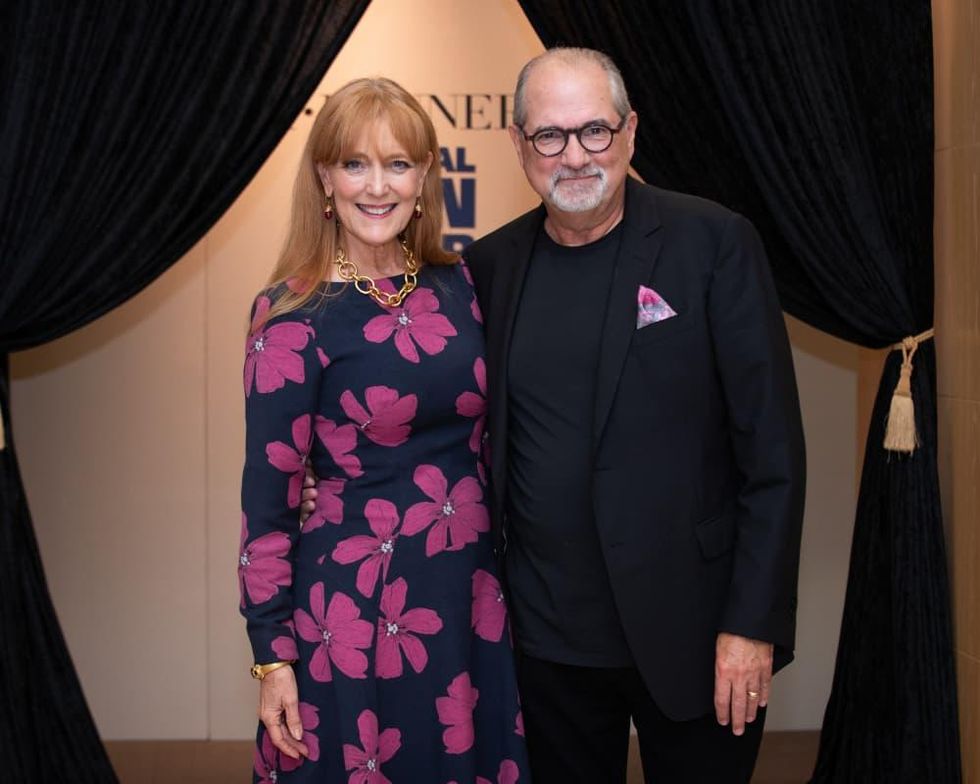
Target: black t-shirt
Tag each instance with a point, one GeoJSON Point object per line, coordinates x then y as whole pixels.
{"type": "Point", "coordinates": [561, 598]}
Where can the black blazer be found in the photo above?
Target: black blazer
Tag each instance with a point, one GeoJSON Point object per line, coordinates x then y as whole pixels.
{"type": "Point", "coordinates": [698, 475]}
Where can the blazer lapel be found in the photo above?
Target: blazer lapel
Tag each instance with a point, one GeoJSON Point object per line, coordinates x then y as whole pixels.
{"type": "Point", "coordinates": [508, 283]}
{"type": "Point", "coordinates": [638, 253]}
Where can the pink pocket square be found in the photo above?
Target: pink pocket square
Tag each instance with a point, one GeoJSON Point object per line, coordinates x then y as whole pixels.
{"type": "Point", "coordinates": [651, 308]}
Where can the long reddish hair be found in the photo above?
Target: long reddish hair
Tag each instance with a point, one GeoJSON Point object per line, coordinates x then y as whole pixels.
{"type": "Point", "coordinates": [311, 241]}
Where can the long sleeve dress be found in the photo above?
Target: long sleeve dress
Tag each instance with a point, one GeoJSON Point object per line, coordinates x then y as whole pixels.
{"type": "Point", "coordinates": [388, 595]}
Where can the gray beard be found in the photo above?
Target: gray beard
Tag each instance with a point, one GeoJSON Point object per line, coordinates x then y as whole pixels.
{"type": "Point", "coordinates": [580, 199]}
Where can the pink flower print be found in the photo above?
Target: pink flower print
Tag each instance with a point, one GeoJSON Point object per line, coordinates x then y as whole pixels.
{"type": "Point", "coordinates": [471, 404]}
{"type": "Point", "coordinates": [265, 760]}
{"type": "Point", "coordinates": [458, 515]}
{"type": "Point", "coordinates": [324, 359]}
{"type": "Point", "coordinates": [387, 416]}
{"type": "Point", "coordinates": [297, 285]}
{"type": "Point", "coordinates": [293, 460]}
{"type": "Point", "coordinates": [376, 749]}
{"type": "Point", "coordinates": [397, 630]}
{"type": "Point", "coordinates": [284, 648]}
{"type": "Point", "coordinates": [456, 712]}
{"type": "Point", "coordinates": [376, 551]}
{"type": "Point", "coordinates": [339, 441]}
{"type": "Point", "coordinates": [474, 305]}
{"type": "Point", "coordinates": [418, 321]}
{"type": "Point", "coordinates": [263, 565]}
{"type": "Point", "coordinates": [272, 352]}
{"type": "Point", "coordinates": [509, 773]}
{"type": "Point", "coordinates": [340, 632]}
{"type": "Point", "coordinates": [489, 613]}
{"type": "Point", "coordinates": [329, 505]}
{"type": "Point", "coordinates": [309, 716]}
{"type": "Point", "coordinates": [519, 724]}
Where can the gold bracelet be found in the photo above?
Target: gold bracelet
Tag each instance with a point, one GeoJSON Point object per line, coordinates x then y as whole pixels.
{"type": "Point", "coordinates": [259, 671]}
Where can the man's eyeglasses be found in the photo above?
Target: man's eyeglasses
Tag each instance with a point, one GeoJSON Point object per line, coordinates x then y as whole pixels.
{"type": "Point", "coordinates": [594, 137]}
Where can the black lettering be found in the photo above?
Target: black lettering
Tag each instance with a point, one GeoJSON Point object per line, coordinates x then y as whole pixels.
{"type": "Point", "coordinates": [450, 118]}
{"type": "Point", "coordinates": [506, 110]}
{"type": "Point", "coordinates": [474, 111]}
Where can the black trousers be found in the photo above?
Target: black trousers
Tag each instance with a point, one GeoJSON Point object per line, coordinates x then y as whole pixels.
{"type": "Point", "coordinates": [577, 726]}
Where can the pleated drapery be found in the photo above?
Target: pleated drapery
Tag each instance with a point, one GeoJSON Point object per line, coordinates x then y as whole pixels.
{"type": "Point", "coordinates": [127, 130]}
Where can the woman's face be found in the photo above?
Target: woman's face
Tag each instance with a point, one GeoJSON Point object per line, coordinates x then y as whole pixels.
{"type": "Point", "coordinates": [373, 190]}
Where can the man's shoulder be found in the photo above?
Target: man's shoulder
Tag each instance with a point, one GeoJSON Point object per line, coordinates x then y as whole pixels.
{"type": "Point", "coordinates": [680, 210]}
{"type": "Point", "coordinates": [522, 226]}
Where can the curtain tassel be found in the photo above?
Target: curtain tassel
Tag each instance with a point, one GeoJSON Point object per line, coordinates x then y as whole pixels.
{"type": "Point", "coordinates": [900, 435]}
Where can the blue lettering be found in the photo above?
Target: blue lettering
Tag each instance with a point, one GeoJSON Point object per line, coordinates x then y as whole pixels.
{"type": "Point", "coordinates": [456, 243]}
{"type": "Point", "coordinates": [457, 165]}
{"type": "Point", "coordinates": [460, 211]}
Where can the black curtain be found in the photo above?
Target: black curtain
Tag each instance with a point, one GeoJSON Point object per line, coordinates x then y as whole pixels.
{"type": "Point", "coordinates": [815, 119]}
{"type": "Point", "coordinates": [127, 129]}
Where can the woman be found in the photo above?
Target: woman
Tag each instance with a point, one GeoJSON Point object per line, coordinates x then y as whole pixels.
{"type": "Point", "coordinates": [378, 627]}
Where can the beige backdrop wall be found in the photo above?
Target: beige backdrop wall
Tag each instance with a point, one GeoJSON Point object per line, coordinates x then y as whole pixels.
{"type": "Point", "coordinates": [130, 430]}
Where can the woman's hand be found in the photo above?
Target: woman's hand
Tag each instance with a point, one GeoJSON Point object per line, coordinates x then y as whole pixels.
{"type": "Point", "coordinates": [279, 712]}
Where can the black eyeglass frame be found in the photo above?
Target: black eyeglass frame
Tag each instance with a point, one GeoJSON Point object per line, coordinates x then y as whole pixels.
{"type": "Point", "coordinates": [568, 132]}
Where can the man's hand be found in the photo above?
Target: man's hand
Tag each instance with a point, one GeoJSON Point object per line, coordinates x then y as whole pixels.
{"type": "Point", "coordinates": [308, 503]}
{"type": "Point", "coordinates": [279, 712]}
{"type": "Point", "coordinates": [743, 674]}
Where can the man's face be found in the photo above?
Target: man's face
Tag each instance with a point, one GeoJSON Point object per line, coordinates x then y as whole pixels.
{"type": "Point", "coordinates": [563, 95]}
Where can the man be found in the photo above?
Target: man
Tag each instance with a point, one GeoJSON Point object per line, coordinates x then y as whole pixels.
{"type": "Point", "coordinates": [647, 450]}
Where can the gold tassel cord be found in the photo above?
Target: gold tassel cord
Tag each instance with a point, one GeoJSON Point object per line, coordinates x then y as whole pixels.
{"type": "Point", "coordinates": [900, 435]}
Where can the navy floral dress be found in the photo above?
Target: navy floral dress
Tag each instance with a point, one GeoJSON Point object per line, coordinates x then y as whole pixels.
{"type": "Point", "coordinates": [388, 594]}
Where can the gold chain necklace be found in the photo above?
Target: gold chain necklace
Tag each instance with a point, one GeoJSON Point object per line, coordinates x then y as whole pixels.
{"type": "Point", "coordinates": [347, 270]}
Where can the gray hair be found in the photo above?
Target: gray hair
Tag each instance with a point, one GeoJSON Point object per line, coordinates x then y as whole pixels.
{"type": "Point", "coordinates": [573, 55]}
